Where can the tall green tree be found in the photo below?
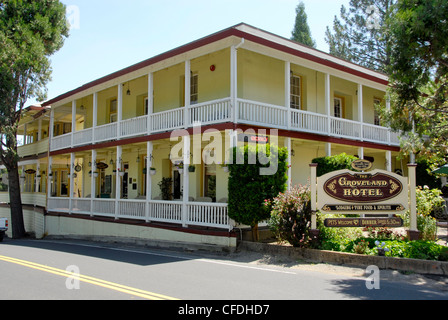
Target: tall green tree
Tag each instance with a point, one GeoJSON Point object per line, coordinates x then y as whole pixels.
{"type": "Point", "coordinates": [359, 35]}
{"type": "Point", "coordinates": [418, 74]}
{"type": "Point", "coordinates": [30, 32]}
{"type": "Point", "coordinates": [301, 32]}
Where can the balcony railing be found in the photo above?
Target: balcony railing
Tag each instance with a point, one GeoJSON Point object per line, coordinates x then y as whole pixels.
{"type": "Point", "coordinates": [218, 111]}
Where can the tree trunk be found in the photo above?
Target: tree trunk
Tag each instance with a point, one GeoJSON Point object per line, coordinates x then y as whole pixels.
{"type": "Point", "coordinates": [15, 200]}
{"type": "Point", "coordinates": [255, 235]}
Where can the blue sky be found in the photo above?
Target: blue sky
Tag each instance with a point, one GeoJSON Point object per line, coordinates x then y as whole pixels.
{"type": "Point", "coordinates": [109, 35]}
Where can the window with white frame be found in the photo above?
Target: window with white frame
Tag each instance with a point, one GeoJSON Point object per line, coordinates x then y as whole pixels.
{"type": "Point", "coordinates": [296, 92]}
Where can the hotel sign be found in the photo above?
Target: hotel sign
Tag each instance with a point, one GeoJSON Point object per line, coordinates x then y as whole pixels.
{"type": "Point", "coordinates": [346, 191]}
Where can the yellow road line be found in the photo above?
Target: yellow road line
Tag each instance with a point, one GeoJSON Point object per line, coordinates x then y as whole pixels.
{"type": "Point", "coordinates": [102, 283]}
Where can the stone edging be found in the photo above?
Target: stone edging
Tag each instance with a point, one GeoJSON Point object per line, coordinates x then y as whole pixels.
{"type": "Point", "coordinates": [349, 259]}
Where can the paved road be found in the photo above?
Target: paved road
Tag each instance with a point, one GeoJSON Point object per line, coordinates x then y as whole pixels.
{"type": "Point", "coordinates": [77, 270]}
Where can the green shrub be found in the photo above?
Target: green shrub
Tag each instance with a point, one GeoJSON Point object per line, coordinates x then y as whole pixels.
{"type": "Point", "coordinates": [291, 216]}
{"type": "Point", "coordinates": [335, 239]}
{"type": "Point", "coordinates": [248, 188]}
{"type": "Point", "coordinates": [333, 163]}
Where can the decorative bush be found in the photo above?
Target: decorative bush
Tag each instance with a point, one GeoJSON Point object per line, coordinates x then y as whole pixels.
{"type": "Point", "coordinates": [291, 215]}
{"type": "Point", "coordinates": [248, 189]}
{"type": "Point", "coordinates": [335, 239]}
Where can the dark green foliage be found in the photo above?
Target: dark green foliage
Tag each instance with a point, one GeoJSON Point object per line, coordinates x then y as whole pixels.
{"type": "Point", "coordinates": [360, 35]}
{"type": "Point", "coordinates": [301, 32]}
{"type": "Point", "coordinates": [333, 163]}
{"type": "Point", "coordinates": [248, 189]}
{"type": "Point", "coordinates": [30, 32]}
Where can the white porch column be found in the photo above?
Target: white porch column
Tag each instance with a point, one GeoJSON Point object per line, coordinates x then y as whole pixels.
{"type": "Point", "coordinates": [388, 109]}
{"type": "Point", "coordinates": [118, 181]}
{"type": "Point", "coordinates": [72, 180]}
{"type": "Point", "coordinates": [328, 102]}
{"type": "Point", "coordinates": [150, 149]}
{"type": "Point", "coordinates": [150, 101]}
{"type": "Point", "coordinates": [288, 92]}
{"type": "Point", "coordinates": [39, 130]}
{"type": "Point", "coordinates": [37, 179]}
{"type": "Point", "coordinates": [119, 109]}
{"type": "Point", "coordinates": [73, 121]}
{"type": "Point", "coordinates": [389, 161]}
{"type": "Point", "coordinates": [92, 181]}
{"type": "Point", "coordinates": [361, 152]}
{"type": "Point", "coordinates": [328, 149]}
{"type": "Point", "coordinates": [187, 93]}
{"type": "Point", "coordinates": [234, 82]}
{"type": "Point", "coordinates": [51, 127]}
{"type": "Point", "coordinates": [360, 111]}
{"type": "Point", "coordinates": [25, 137]}
{"type": "Point", "coordinates": [288, 144]}
{"type": "Point", "coordinates": [186, 180]}
{"type": "Point", "coordinates": [95, 110]}
{"type": "Point", "coordinates": [49, 178]}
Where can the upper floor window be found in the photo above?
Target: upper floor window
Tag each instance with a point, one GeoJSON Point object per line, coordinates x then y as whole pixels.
{"type": "Point", "coordinates": [194, 92]}
{"type": "Point", "coordinates": [296, 94]}
{"type": "Point", "coordinates": [113, 111]}
{"type": "Point", "coordinates": [376, 116]}
{"type": "Point", "coordinates": [338, 107]}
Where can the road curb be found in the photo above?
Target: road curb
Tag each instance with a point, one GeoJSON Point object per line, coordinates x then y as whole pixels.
{"type": "Point", "coordinates": [348, 259]}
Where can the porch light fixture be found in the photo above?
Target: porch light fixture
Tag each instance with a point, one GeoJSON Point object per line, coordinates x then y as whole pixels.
{"type": "Point", "coordinates": [129, 91]}
{"type": "Point", "coordinates": [138, 156]}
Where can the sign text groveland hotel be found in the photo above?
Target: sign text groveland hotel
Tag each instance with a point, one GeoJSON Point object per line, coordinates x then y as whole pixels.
{"type": "Point", "coordinates": [378, 192]}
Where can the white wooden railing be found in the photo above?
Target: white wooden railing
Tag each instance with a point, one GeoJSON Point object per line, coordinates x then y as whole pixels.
{"type": "Point", "coordinates": [222, 110]}
{"type": "Point", "coordinates": [192, 214]}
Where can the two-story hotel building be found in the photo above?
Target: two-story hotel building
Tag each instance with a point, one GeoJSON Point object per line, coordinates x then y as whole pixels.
{"type": "Point", "coordinates": [94, 158]}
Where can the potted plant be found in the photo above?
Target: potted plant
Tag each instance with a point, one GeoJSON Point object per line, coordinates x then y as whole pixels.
{"type": "Point", "coordinates": [191, 168]}
{"type": "Point", "coordinates": [152, 171]}
{"type": "Point", "coordinates": [165, 188]}
{"type": "Point", "coordinates": [180, 167]}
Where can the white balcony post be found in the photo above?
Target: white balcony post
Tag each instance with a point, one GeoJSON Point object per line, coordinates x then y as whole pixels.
{"type": "Point", "coordinates": [361, 152]}
{"type": "Point", "coordinates": [389, 161]}
{"type": "Point", "coordinates": [95, 110]}
{"type": "Point", "coordinates": [150, 101]}
{"type": "Point", "coordinates": [328, 102]}
{"type": "Point", "coordinates": [51, 128]}
{"type": "Point", "coordinates": [25, 137]}
{"type": "Point", "coordinates": [49, 176]}
{"type": "Point", "coordinates": [186, 180]}
{"type": "Point", "coordinates": [37, 181]}
{"type": "Point", "coordinates": [187, 92]}
{"type": "Point", "coordinates": [288, 144]}
{"type": "Point", "coordinates": [328, 149]}
{"type": "Point", "coordinates": [92, 181]}
{"type": "Point", "coordinates": [288, 92]}
{"type": "Point", "coordinates": [73, 121]}
{"type": "Point", "coordinates": [119, 109]}
{"type": "Point", "coordinates": [39, 130]}
{"type": "Point", "coordinates": [118, 181]}
{"type": "Point", "coordinates": [360, 111]}
{"type": "Point", "coordinates": [388, 109]}
{"type": "Point", "coordinates": [234, 82]}
{"type": "Point", "coordinates": [150, 149]}
{"type": "Point", "coordinates": [72, 181]}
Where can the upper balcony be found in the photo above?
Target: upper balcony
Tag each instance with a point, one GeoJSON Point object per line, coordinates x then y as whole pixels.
{"type": "Point", "coordinates": [243, 86]}
{"type": "Point", "coordinates": [33, 132]}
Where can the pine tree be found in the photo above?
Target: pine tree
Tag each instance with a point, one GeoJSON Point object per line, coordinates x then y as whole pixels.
{"type": "Point", "coordinates": [301, 32]}
{"type": "Point", "coordinates": [360, 36]}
